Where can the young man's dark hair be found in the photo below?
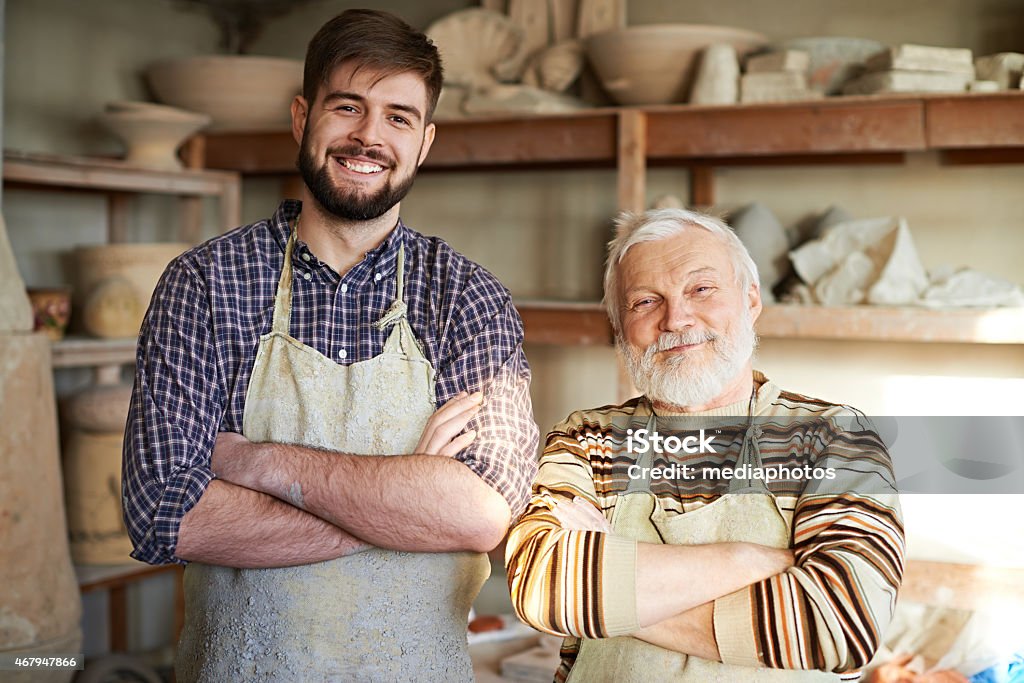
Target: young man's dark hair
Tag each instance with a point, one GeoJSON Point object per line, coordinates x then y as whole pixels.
{"type": "Point", "coordinates": [372, 39]}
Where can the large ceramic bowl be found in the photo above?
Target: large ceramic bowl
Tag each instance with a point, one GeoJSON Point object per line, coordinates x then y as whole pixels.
{"type": "Point", "coordinates": [240, 92]}
{"type": "Point", "coordinates": [655, 63]}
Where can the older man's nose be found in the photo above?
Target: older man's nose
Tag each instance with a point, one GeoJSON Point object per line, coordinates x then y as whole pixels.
{"type": "Point", "coordinates": [678, 316]}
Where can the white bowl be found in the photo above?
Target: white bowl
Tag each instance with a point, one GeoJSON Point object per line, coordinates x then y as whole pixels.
{"type": "Point", "coordinates": [655, 63]}
{"type": "Point", "coordinates": [240, 92]}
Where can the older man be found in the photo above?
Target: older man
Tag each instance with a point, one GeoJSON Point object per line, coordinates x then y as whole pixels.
{"type": "Point", "coordinates": [768, 546]}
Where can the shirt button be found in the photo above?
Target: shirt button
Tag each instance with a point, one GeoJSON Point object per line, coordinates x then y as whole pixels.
{"type": "Point", "coordinates": [378, 277]}
{"type": "Point", "coordinates": [307, 276]}
{"type": "Point", "coordinates": [342, 353]}
{"type": "Point", "coordinates": [305, 257]}
{"type": "Point", "coordinates": [344, 287]}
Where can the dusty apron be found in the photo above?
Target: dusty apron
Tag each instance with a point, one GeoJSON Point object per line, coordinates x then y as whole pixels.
{"type": "Point", "coordinates": [378, 615]}
{"type": "Point", "coordinates": [746, 513]}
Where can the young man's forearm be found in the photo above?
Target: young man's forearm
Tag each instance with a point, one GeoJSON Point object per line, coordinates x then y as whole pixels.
{"type": "Point", "coordinates": [415, 503]}
{"type": "Point", "coordinates": [233, 526]}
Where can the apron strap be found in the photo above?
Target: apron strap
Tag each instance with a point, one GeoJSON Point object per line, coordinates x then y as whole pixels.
{"type": "Point", "coordinates": [398, 307]}
{"type": "Point", "coordinates": [750, 454]}
{"type": "Point", "coordinates": [644, 460]}
{"type": "Point", "coordinates": [283, 299]}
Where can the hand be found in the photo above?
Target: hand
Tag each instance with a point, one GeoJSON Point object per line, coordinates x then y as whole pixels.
{"type": "Point", "coordinates": [230, 460]}
{"type": "Point", "coordinates": [765, 561]}
{"type": "Point", "coordinates": [581, 515]}
{"type": "Point", "coordinates": [443, 433]}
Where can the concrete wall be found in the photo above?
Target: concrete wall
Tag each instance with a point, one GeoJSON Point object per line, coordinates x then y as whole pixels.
{"type": "Point", "coordinates": [543, 233]}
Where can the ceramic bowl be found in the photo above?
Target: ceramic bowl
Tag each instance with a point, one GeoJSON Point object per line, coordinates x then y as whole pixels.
{"type": "Point", "coordinates": [152, 134]}
{"type": "Point", "coordinates": [656, 63]}
{"type": "Point", "coordinates": [240, 92]}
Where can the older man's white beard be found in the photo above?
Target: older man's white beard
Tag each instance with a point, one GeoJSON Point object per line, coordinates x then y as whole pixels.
{"type": "Point", "coordinates": [678, 380]}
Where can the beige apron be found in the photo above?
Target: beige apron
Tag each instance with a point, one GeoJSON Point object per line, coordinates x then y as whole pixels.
{"type": "Point", "coordinates": [746, 513]}
{"type": "Point", "coordinates": [378, 615]}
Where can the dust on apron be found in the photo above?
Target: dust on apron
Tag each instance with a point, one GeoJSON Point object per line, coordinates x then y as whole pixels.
{"type": "Point", "coordinates": [747, 512]}
{"type": "Point", "coordinates": [378, 615]}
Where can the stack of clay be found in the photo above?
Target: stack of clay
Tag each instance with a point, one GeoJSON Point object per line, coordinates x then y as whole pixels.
{"type": "Point", "coordinates": [1003, 69]}
{"type": "Point", "coordinates": [777, 77]}
{"type": "Point", "coordinates": [916, 68]}
{"type": "Point", "coordinates": [522, 60]}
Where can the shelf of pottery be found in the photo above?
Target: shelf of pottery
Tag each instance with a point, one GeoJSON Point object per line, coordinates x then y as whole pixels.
{"type": "Point", "coordinates": [909, 305]}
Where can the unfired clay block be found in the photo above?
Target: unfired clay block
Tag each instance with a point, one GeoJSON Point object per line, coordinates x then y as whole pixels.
{"type": "Point", "coordinates": [717, 80]}
{"type": "Point", "coordinates": [907, 81]}
{"type": "Point", "coordinates": [15, 310]}
{"type": "Point", "coordinates": [1004, 68]}
{"type": "Point", "coordinates": [784, 60]}
{"type": "Point", "coordinates": [983, 86]}
{"type": "Point", "coordinates": [778, 86]}
{"type": "Point", "coordinates": [502, 99]}
{"type": "Point", "coordinates": [923, 58]}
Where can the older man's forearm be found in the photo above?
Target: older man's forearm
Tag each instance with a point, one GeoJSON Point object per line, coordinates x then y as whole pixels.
{"type": "Point", "coordinates": [415, 503]}
{"type": "Point", "coordinates": [596, 585]}
{"type": "Point", "coordinates": [233, 526]}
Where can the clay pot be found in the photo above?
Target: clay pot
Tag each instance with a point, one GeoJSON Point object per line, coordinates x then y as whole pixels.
{"type": "Point", "coordinates": [152, 133]}
{"type": "Point", "coordinates": [95, 420]}
{"type": "Point", "coordinates": [51, 308]}
{"type": "Point", "coordinates": [655, 63]}
{"type": "Point", "coordinates": [116, 282]}
{"type": "Point", "coordinates": [240, 92]}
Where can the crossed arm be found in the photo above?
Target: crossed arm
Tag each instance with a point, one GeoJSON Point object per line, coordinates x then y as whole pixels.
{"type": "Point", "coordinates": [307, 505]}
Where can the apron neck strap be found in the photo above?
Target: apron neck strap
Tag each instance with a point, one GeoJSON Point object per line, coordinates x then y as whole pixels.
{"type": "Point", "coordinates": [283, 300]}
{"type": "Point", "coordinates": [398, 307]}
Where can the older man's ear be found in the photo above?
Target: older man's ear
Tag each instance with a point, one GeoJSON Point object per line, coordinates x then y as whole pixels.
{"type": "Point", "coordinates": [754, 301]}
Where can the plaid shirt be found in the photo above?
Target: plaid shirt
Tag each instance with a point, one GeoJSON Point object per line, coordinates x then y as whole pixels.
{"type": "Point", "coordinates": [199, 339]}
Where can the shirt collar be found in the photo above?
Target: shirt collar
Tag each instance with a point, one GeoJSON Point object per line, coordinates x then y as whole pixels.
{"type": "Point", "coordinates": [381, 260]}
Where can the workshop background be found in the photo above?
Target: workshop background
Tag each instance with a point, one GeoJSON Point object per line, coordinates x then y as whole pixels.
{"type": "Point", "coordinates": [531, 196]}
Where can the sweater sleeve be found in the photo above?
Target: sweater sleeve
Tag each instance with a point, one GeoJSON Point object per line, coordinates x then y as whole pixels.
{"type": "Point", "coordinates": [830, 610]}
{"type": "Point", "coordinates": [570, 583]}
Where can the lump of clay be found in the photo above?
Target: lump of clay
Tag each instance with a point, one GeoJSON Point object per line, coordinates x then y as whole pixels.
{"type": "Point", "coordinates": [970, 288]}
{"type": "Point", "coordinates": [765, 239]}
{"type": "Point", "coordinates": [474, 43]}
{"type": "Point", "coordinates": [518, 99]}
{"type": "Point", "coordinates": [557, 67]}
{"type": "Point", "coordinates": [815, 226]}
{"type": "Point", "coordinates": [717, 80]}
{"type": "Point", "coordinates": [871, 261]}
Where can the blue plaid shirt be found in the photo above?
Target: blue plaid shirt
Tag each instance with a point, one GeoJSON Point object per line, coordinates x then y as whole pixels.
{"type": "Point", "coordinates": [199, 339]}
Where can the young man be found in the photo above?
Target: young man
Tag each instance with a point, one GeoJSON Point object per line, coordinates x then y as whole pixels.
{"type": "Point", "coordinates": [672, 565]}
{"type": "Point", "coordinates": [284, 436]}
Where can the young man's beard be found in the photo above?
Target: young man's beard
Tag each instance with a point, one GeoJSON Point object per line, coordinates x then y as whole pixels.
{"type": "Point", "coordinates": [350, 205]}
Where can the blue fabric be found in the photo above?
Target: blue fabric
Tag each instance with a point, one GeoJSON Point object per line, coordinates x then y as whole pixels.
{"type": "Point", "coordinates": [201, 332]}
{"type": "Point", "coordinates": [1010, 671]}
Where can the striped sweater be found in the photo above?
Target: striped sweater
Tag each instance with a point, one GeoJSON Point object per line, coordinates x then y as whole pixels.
{"type": "Point", "coordinates": [828, 612]}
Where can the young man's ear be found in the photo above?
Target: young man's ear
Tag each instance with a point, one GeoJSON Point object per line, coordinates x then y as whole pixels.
{"type": "Point", "coordinates": [428, 140]}
{"type": "Point", "coordinates": [300, 109]}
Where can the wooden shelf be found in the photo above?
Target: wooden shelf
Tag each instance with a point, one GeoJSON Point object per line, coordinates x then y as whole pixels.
{"type": "Point", "coordinates": [75, 352]}
{"type": "Point", "coordinates": [86, 173]}
{"type": "Point", "coordinates": [107, 576]}
{"type": "Point", "coordinates": [837, 130]}
{"type": "Point", "coordinates": [578, 323]}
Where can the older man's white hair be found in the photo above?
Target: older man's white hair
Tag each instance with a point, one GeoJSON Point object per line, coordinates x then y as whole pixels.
{"type": "Point", "coordinates": [658, 224]}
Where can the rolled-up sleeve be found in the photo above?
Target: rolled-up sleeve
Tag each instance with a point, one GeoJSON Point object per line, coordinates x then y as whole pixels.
{"type": "Point", "coordinates": [570, 583]}
{"type": "Point", "coordinates": [830, 610]}
{"type": "Point", "coordinates": [176, 409]}
{"type": "Point", "coordinates": [487, 355]}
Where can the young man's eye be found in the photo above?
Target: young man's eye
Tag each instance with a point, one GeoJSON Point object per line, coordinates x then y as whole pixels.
{"type": "Point", "coordinates": [400, 120]}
